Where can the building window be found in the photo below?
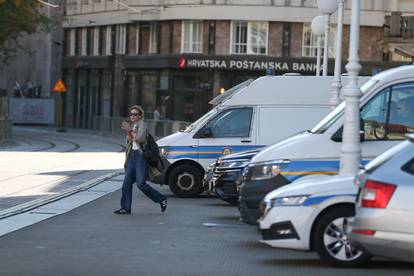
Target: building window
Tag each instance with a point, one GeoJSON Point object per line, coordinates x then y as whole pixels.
{"type": "Point", "coordinates": [192, 37]}
{"type": "Point", "coordinates": [84, 47]}
{"type": "Point", "coordinates": [108, 48]}
{"type": "Point", "coordinates": [249, 38]}
{"type": "Point", "coordinates": [96, 41]}
{"type": "Point", "coordinates": [153, 38]}
{"type": "Point", "coordinates": [72, 40]}
{"type": "Point", "coordinates": [310, 42]}
{"type": "Point", "coordinates": [121, 39]}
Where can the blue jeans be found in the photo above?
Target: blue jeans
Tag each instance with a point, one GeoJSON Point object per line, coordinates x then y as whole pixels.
{"type": "Point", "coordinates": [137, 171]}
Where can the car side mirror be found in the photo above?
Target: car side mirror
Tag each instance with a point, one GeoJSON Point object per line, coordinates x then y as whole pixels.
{"type": "Point", "coordinates": [337, 136]}
{"type": "Point", "coordinates": [204, 133]}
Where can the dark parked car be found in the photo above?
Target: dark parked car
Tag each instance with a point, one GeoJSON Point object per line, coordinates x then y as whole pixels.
{"type": "Point", "coordinates": [253, 192]}
{"type": "Point", "coordinates": [227, 173]}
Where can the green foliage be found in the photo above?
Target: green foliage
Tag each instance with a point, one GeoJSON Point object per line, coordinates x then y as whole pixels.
{"type": "Point", "coordinates": [18, 18]}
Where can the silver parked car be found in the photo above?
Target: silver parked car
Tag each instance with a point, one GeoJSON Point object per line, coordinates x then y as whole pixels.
{"type": "Point", "coordinates": [384, 221]}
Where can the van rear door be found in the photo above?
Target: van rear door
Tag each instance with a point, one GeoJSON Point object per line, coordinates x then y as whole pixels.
{"type": "Point", "coordinates": [231, 130]}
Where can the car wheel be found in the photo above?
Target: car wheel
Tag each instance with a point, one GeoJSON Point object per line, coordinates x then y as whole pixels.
{"type": "Point", "coordinates": [186, 181]}
{"type": "Point", "coordinates": [331, 239]}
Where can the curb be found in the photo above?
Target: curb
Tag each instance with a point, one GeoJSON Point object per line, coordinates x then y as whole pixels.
{"type": "Point", "coordinates": [27, 206]}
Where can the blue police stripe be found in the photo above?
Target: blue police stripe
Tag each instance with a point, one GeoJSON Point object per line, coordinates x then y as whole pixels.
{"type": "Point", "coordinates": [319, 199]}
{"type": "Point", "coordinates": [310, 166]}
{"type": "Point", "coordinates": [205, 152]}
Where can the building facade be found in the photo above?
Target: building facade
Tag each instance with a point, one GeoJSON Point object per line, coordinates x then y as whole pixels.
{"type": "Point", "coordinates": [177, 55]}
{"type": "Point", "coordinates": [38, 64]}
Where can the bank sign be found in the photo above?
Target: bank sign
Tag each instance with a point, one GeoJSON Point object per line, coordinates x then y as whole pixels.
{"type": "Point", "coordinates": [247, 64]}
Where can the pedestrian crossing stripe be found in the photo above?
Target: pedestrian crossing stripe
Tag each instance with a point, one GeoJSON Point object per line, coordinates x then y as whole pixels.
{"type": "Point", "coordinates": [59, 86]}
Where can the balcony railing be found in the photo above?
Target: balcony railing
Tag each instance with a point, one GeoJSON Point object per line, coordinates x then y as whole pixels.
{"type": "Point", "coordinates": [399, 26]}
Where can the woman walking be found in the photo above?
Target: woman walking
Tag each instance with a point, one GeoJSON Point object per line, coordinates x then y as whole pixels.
{"type": "Point", "coordinates": [137, 168]}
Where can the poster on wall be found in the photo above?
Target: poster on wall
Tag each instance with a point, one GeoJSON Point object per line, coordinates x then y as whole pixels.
{"type": "Point", "coordinates": [32, 111]}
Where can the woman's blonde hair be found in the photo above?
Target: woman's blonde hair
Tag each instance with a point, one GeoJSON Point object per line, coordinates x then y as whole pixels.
{"type": "Point", "coordinates": [139, 108]}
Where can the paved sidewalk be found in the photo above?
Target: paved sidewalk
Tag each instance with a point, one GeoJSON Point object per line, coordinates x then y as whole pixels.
{"type": "Point", "coordinates": [200, 236]}
{"type": "Point", "coordinates": [44, 163]}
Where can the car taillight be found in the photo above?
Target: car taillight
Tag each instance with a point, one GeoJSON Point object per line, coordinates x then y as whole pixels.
{"type": "Point", "coordinates": [377, 194]}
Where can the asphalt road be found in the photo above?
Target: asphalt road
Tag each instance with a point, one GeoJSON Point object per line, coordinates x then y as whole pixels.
{"type": "Point", "coordinates": [200, 236]}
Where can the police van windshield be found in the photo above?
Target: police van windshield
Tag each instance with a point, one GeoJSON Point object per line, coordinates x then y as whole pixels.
{"type": "Point", "coordinates": [331, 118]}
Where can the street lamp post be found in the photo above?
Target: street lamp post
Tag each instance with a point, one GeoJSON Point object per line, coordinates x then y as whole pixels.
{"type": "Point", "coordinates": [318, 55]}
{"type": "Point", "coordinates": [351, 149]}
{"type": "Point", "coordinates": [317, 27]}
{"type": "Point", "coordinates": [327, 7]}
{"type": "Point", "coordinates": [337, 84]}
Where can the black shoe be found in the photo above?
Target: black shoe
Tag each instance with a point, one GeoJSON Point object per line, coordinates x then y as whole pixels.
{"type": "Point", "coordinates": [163, 205]}
{"type": "Point", "coordinates": [122, 212]}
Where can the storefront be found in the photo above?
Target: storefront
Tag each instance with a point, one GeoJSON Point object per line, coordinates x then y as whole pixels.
{"type": "Point", "coordinates": [180, 95]}
{"type": "Point", "coordinates": [181, 86]}
{"type": "Point", "coordinates": [89, 85]}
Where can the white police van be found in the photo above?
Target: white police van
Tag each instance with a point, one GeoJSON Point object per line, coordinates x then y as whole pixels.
{"type": "Point", "coordinates": [387, 114]}
{"type": "Point", "coordinates": [250, 115]}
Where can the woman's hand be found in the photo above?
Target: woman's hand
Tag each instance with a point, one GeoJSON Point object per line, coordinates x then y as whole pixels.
{"type": "Point", "coordinates": [126, 126]}
{"type": "Point", "coordinates": [128, 130]}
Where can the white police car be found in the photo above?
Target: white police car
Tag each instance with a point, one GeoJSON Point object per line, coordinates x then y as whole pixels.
{"type": "Point", "coordinates": [312, 214]}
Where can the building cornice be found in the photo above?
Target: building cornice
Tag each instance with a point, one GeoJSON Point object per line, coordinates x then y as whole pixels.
{"type": "Point", "coordinates": [215, 12]}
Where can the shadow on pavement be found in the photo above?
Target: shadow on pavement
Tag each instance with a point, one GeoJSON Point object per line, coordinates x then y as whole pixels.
{"type": "Point", "coordinates": [381, 264]}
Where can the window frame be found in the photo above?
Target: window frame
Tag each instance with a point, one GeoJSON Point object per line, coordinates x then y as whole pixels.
{"type": "Point", "coordinates": [191, 24]}
{"type": "Point", "coordinates": [220, 114]}
{"type": "Point", "coordinates": [313, 48]}
{"type": "Point", "coordinates": [390, 90]}
{"type": "Point", "coordinates": [153, 38]}
{"type": "Point", "coordinates": [96, 41]}
{"type": "Point", "coordinates": [121, 39]}
{"type": "Point", "coordinates": [72, 42]}
{"type": "Point", "coordinates": [249, 35]}
{"type": "Point", "coordinates": [84, 42]}
{"type": "Point", "coordinates": [387, 91]}
{"type": "Point", "coordinates": [108, 43]}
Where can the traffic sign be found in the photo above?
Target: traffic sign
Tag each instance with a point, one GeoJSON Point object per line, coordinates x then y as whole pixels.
{"type": "Point", "coordinates": [59, 86]}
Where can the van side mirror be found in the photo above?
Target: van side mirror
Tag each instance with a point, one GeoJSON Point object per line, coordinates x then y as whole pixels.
{"type": "Point", "coordinates": [205, 132]}
{"type": "Point", "coordinates": [337, 136]}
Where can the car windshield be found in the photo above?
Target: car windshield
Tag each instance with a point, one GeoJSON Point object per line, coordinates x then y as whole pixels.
{"type": "Point", "coordinates": [384, 157]}
{"type": "Point", "coordinates": [338, 111]}
{"type": "Point", "coordinates": [201, 120]}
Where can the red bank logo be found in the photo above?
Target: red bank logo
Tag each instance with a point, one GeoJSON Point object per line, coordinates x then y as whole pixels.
{"type": "Point", "coordinates": [182, 62]}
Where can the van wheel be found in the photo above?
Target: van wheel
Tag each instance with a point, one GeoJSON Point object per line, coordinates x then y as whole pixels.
{"type": "Point", "coordinates": [186, 181]}
{"type": "Point", "coordinates": [331, 239]}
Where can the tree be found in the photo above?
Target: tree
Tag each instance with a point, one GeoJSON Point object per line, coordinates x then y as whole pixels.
{"type": "Point", "coordinates": [19, 18]}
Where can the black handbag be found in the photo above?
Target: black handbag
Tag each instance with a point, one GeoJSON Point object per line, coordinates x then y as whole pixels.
{"type": "Point", "coordinates": [151, 151]}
